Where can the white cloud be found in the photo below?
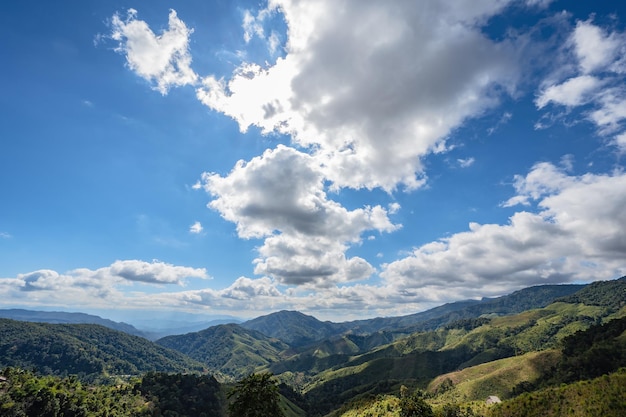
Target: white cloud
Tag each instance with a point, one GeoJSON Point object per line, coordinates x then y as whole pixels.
{"type": "Point", "coordinates": [350, 88]}
{"type": "Point", "coordinates": [280, 197]}
{"type": "Point", "coordinates": [155, 272]}
{"type": "Point", "coordinates": [542, 4]}
{"type": "Point", "coordinates": [94, 288]}
{"type": "Point", "coordinates": [611, 111]}
{"type": "Point", "coordinates": [573, 92]}
{"type": "Point", "coordinates": [594, 48]}
{"type": "Point", "coordinates": [620, 142]}
{"type": "Point", "coordinates": [579, 234]}
{"type": "Point", "coordinates": [5, 235]}
{"type": "Point", "coordinates": [196, 228]}
{"type": "Point", "coordinates": [597, 85]}
{"type": "Point", "coordinates": [164, 59]}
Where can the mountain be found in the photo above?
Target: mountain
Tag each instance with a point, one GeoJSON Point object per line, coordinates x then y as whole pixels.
{"type": "Point", "coordinates": [60, 317]}
{"type": "Point", "coordinates": [294, 328]}
{"type": "Point", "coordinates": [303, 331]}
{"type": "Point", "coordinates": [332, 374]}
{"type": "Point", "coordinates": [229, 351]}
{"type": "Point", "coordinates": [532, 339]}
{"type": "Point", "coordinates": [516, 302]}
{"type": "Point", "coordinates": [88, 350]}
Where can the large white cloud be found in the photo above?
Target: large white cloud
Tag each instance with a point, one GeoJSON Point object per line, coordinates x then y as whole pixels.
{"type": "Point", "coordinates": [280, 197]}
{"type": "Point", "coordinates": [371, 88]}
{"type": "Point", "coordinates": [579, 234]}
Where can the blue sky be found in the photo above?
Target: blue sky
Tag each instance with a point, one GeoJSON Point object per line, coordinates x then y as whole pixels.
{"type": "Point", "coordinates": [347, 159]}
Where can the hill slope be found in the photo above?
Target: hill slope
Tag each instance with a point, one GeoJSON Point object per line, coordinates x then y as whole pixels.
{"type": "Point", "coordinates": [602, 396]}
{"type": "Point", "coordinates": [229, 350]}
{"type": "Point", "coordinates": [88, 350]}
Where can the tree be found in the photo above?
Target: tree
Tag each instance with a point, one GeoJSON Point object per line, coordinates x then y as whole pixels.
{"type": "Point", "coordinates": [255, 396]}
{"type": "Point", "coordinates": [414, 406]}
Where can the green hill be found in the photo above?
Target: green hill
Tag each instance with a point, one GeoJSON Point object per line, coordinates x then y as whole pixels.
{"type": "Point", "coordinates": [499, 378]}
{"type": "Point", "coordinates": [604, 396]}
{"type": "Point", "coordinates": [88, 350]}
{"type": "Point", "coordinates": [229, 351]}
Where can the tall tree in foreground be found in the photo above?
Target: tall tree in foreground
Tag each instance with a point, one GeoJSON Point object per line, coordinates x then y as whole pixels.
{"type": "Point", "coordinates": [255, 396]}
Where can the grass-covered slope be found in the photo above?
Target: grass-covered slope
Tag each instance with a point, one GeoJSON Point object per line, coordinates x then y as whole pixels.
{"type": "Point", "coordinates": [229, 351]}
{"type": "Point", "coordinates": [601, 397]}
{"type": "Point", "coordinates": [87, 350]}
{"type": "Point", "coordinates": [500, 378]}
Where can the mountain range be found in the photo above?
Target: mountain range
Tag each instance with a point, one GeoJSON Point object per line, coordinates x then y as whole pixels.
{"type": "Point", "coordinates": [334, 364]}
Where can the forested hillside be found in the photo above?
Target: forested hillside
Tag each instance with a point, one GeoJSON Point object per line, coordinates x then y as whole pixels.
{"type": "Point", "coordinates": [228, 350]}
{"type": "Point", "coordinates": [90, 351]}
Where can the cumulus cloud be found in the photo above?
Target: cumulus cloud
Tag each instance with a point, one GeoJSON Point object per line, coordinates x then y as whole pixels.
{"type": "Point", "coordinates": [163, 60]}
{"type": "Point", "coordinates": [154, 272]}
{"type": "Point", "coordinates": [280, 197]}
{"type": "Point", "coordinates": [370, 89]}
{"type": "Point", "coordinates": [94, 288]}
{"type": "Point", "coordinates": [579, 233]}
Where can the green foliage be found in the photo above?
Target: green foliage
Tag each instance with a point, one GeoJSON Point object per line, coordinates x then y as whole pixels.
{"type": "Point", "coordinates": [25, 395]}
{"type": "Point", "coordinates": [454, 410]}
{"type": "Point", "coordinates": [592, 353]}
{"type": "Point", "coordinates": [181, 394]}
{"type": "Point", "coordinates": [415, 406]}
{"type": "Point", "coordinates": [255, 396]}
{"type": "Point", "coordinates": [611, 294]}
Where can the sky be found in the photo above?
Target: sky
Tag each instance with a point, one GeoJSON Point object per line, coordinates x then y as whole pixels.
{"type": "Point", "coordinates": [344, 158]}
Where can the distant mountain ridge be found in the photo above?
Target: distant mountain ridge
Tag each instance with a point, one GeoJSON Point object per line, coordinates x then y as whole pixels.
{"type": "Point", "coordinates": [61, 317]}
{"type": "Point", "coordinates": [298, 329]}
